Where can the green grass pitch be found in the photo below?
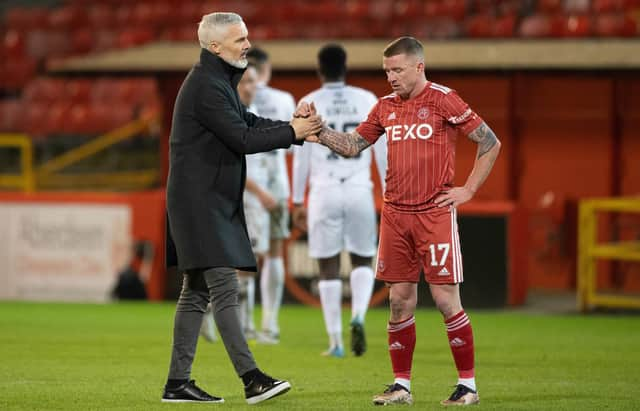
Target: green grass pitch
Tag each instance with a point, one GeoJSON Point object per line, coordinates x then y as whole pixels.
{"type": "Point", "coordinates": [115, 357]}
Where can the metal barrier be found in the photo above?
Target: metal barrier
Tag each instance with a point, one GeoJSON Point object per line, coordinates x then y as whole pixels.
{"type": "Point", "coordinates": [25, 179]}
{"type": "Point", "coordinates": [590, 251]}
{"type": "Point", "coordinates": [48, 175]}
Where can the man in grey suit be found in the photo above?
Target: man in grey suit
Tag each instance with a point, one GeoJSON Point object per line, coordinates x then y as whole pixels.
{"type": "Point", "coordinates": [211, 134]}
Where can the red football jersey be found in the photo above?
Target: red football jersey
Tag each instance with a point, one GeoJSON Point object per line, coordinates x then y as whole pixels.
{"type": "Point", "coordinates": [421, 143]}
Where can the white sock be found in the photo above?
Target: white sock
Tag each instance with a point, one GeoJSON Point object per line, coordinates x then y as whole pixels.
{"type": "Point", "coordinates": [468, 382]}
{"type": "Point", "coordinates": [251, 302]}
{"type": "Point", "coordinates": [331, 300]}
{"type": "Point", "coordinates": [361, 279]}
{"type": "Point", "coordinates": [404, 382]}
{"type": "Point", "coordinates": [271, 288]}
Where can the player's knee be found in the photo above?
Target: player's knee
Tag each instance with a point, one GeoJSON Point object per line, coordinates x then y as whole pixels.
{"type": "Point", "coordinates": [401, 308]}
{"type": "Point", "coordinates": [447, 307]}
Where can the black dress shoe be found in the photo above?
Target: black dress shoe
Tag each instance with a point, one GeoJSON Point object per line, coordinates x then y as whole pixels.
{"type": "Point", "coordinates": [188, 392]}
{"type": "Point", "coordinates": [263, 387]}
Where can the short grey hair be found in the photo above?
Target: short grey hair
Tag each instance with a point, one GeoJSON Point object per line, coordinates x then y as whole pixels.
{"type": "Point", "coordinates": [212, 27]}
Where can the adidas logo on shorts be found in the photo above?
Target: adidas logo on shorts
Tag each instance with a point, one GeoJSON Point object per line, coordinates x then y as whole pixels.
{"type": "Point", "coordinates": [444, 271]}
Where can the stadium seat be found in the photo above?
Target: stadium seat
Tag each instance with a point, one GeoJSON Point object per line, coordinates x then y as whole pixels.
{"type": "Point", "coordinates": [505, 26]}
{"type": "Point", "coordinates": [14, 44]}
{"type": "Point", "coordinates": [455, 9]}
{"type": "Point", "coordinates": [577, 6]}
{"type": "Point", "coordinates": [44, 90]}
{"type": "Point", "coordinates": [549, 6]}
{"type": "Point", "coordinates": [79, 90]}
{"type": "Point", "coordinates": [26, 18]}
{"type": "Point", "coordinates": [479, 25]}
{"type": "Point", "coordinates": [83, 41]}
{"type": "Point", "coordinates": [135, 37]}
{"type": "Point", "coordinates": [66, 17]}
{"type": "Point", "coordinates": [34, 120]}
{"type": "Point", "coordinates": [10, 111]}
{"type": "Point", "coordinates": [56, 120]}
{"type": "Point", "coordinates": [535, 26]}
{"type": "Point", "coordinates": [101, 16]}
{"type": "Point", "coordinates": [607, 6]}
{"type": "Point", "coordinates": [575, 26]}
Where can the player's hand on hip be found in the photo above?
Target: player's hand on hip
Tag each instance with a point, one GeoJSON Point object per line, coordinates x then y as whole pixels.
{"type": "Point", "coordinates": [299, 217]}
{"type": "Point", "coordinates": [306, 127]}
{"type": "Point", "coordinates": [454, 197]}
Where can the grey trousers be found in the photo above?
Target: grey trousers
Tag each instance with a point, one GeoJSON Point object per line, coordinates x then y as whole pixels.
{"type": "Point", "coordinates": [220, 286]}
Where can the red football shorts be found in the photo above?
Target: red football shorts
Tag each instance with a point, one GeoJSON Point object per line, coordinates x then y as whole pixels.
{"type": "Point", "coordinates": [426, 240]}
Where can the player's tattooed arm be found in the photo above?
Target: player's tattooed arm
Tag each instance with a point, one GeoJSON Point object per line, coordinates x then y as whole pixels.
{"type": "Point", "coordinates": [485, 137]}
{"type": "Point", "coordinates": [345, 144]}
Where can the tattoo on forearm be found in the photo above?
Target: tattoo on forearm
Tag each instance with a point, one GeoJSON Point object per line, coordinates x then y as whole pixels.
{"type": "Point", "coordinates": [345, 144]}
{"type": "Point", "coordinates": [485, 137]}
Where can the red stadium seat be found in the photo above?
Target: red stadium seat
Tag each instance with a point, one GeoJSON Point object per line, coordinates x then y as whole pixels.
{"type": "Point", "coordinates": [101, 16]}
{"type": "Point", "coordinates": [10, 113]}
{"type": "Point", "coordinates": [549, 6]}
{"type": "Point", "coordinates": [105, 39]}
{"type": "Point", "coordinates": [142, 14]}
{"type": "Point", "coordinates": [104, 90]}
{"type": "Point", "coordinates": [44, 90]}
{"type": "Point", "coordinates": [380, 9]}
{"type": "Point", "coordinates": [56, 120]}
{"type": "Point", "coordinates": [609, 25]}
{"type": "Point", "coordinates": [630, 27]}
{"type": "Point", "coordinates": [356, 9]}
{"type": "Point", "coordinates": [576, 26]}
{"type": "Point", "coordinates": [189, 13]}
{"type": "Point", "coordinates": [67, 17]}
{"type": "Point", "coordinates": [34, 120]}
{"type": "Point", "coordinates": [79, 90]}
{"type": "Point", "coordinates": [480, 25]}
{"type": "Point", "coordinates": [577, 6]}
{"type": "Point", "coordinates": [14, 44]}
{"type": "Point", "coordinates": [535, 26]}
{"type": "Point", "coordinates": [26, 18]}
{"type": "Point", "coordinates": [607, 6]}
{"type": "Point", "coordinates": [455, 9]}
{"type": "Point", "coordinates": [135, 37]}
{"type": "Point", "coordinates": [83, 41]}
{"type": "Point", "coordinates": [505, 26]}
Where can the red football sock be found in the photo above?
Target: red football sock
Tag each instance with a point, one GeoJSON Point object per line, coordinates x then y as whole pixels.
{"type": "Point", "coordinates": [461, 342]}
{"type": "Point", "coordinates": [402, 341]}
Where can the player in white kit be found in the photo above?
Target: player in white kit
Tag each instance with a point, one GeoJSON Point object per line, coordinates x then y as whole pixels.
{"type": "Point", "coordinates": [341, 213]}
{"type": "Point", "coordinates": [276, 105]}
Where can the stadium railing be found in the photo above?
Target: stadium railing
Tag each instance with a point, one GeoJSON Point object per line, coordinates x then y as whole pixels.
{"type": "Point", "coordinates": [24, 180]}
{"type": "Point", "coordinates": [49, 175]}
{"type": "Point", "coordinates": [590, 251]}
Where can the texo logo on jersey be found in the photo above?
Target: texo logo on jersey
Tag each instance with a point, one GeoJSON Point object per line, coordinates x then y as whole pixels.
{"type": "Point", "coordinates": [403, 131]}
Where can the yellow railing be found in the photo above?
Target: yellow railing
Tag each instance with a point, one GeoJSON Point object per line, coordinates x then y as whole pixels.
{"type": "Point", "coordinates": [48, 175]}
{"type": "Point", "coordinates": [590, 251]}
{"type": "Point", "coordinates": [25, 179]}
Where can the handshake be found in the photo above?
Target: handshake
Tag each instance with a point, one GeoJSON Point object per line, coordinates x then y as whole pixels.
{"type": "Point", "coordinates": [306, 123]}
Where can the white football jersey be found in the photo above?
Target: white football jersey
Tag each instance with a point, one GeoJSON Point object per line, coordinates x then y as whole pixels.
{"type": "Point", "coordinates": [342, 107]}
{"type": "Point", "coordinates": [276, 104]}
{"type": "Point", "coordinates": [257, 169]}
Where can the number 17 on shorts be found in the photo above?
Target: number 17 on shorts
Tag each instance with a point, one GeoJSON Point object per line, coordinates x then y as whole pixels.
{"type": "Point", "coordinates": [412, 242]}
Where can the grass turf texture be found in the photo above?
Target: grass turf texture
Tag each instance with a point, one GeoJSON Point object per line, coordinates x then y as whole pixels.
{"type": "Point", "coordinates": [115, 357]}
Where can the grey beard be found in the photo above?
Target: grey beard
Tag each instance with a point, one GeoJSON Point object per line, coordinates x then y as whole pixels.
{"type": "Point", "coordinates": [241, 64]}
